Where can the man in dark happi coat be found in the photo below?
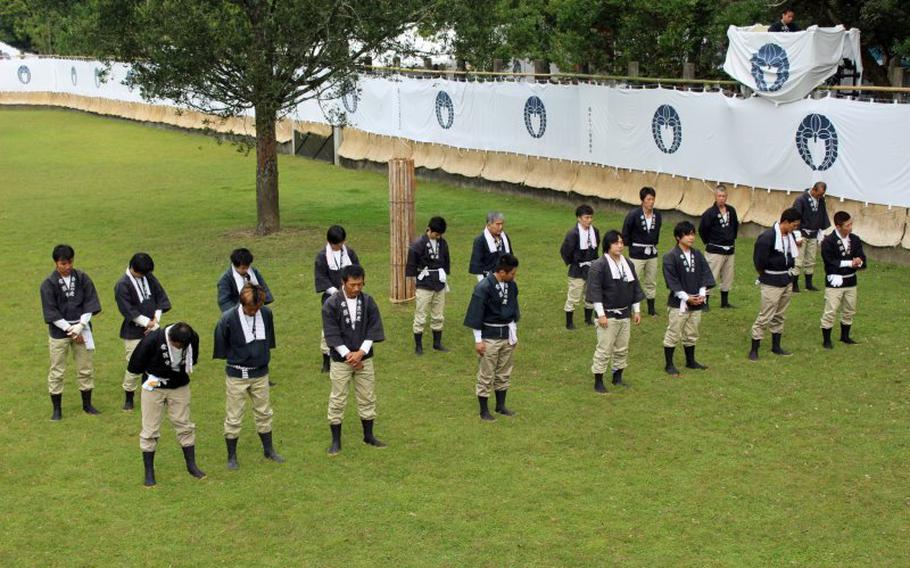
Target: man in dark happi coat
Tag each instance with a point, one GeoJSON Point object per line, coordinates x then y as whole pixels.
{"type": "Point", "coordinates": [842, 254]}
{"type": "Point", "coordinates": [141, 300]}
{"type": "Point", "coordinates": [240, 273]}
{"type": "Point", "coordinates": [688, 279]}
{"type": "Point", "coordinates": [352, 324]}
{"type": "Point", "coordinates": [429, 263]}
{"type": "Point", "coordinates": [718, 229]}
{"type": "Point", "coordinates": [615, 293]}
{"type": "Point", "coordinates": [244, 337]}
{"type": "Point", "coordinates": [68, 302]}
{"type": "Point", "coordinates": [493, 316]}
{"type": "Point", "coordinates": [489, 245]}
{"type": "Point", "coordinates": [164, 359]}
{"type": "Point", "coordinates": [641, 233]}
{"type": "Point", "coordinates": [327, 273]}
{"type": "Point", "coordinates": [814, 221]}
{"type": "Point", "coordinates": [578, 251]}
{"type": "Point", "coordinates": [774, 257]}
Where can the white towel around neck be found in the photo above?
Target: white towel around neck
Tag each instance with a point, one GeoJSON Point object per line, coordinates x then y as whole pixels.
{"type": "Point", "coordinates": [779, 242]}
{"type": "Point", "coordinates": [330, 257]}
{"type": "Point", "coordinates": [140, 292]}
{"type": "Point", "coordinates": [591, 242]}
{"type": "Point", "coordinates": [491, 242]}
{"type": "Point", "coordinates": [177, 354]}
{"type": "Point", "coordinates": [247, 325]}
{"type": "Point", "coordinates": [240, 281]}
{"type": "Point", "coordinates": [614, 268]}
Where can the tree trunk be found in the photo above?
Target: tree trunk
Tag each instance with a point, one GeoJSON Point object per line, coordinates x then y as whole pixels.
{"type": "Point", "coordinates": [267, 218]}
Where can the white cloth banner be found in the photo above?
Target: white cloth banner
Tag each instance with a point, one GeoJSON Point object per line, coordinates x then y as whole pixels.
{"type": "Point", "coordinates": [786, 66]}
{"type": "Point", "coordinates": [857, 148]}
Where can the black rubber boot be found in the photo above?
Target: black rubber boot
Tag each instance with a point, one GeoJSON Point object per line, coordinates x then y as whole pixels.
{"type": "Point", "coordinates": [437, 342]}
{"type": "Point", "coordinates": [589, 317]}
{"type": "Point", "coordinates": [809, 285]}
{"type": "Point", "coordinates": [326, 360]}
{"type": "Point", "coordinates": [775, 345]}
{"type": "Point", "coordinates": [87, 402]}
{"type": "Point", "coordinates": [691, 363]}
{"type": "Point", "coordinates": [826, 339]}
{"type": "Point", "coordinates": [418, 344]}
{"type": "Point", "coordinates": [485, 409]}
{"type": "Point", "coordinates": [57, 402]}
{"type": "Point", "coordinates": [501, 403]}
{"type": "Point", "coordinates": [599, 383]}
{"type": "Point", "coordinates": [268, 450]}
{"type": "Point", "coordinates": [617, 378]}
{"type": "Point", "coordinates": [725, 300]}
{"type": "Point", "coordinates": [845, 334]}
{"type": "Point", "coordinates": [368, 437]}
{"type": "Point", "coordinates": [570, 320]}
{"type": "Point", "coordinates": [651, 310]}
{"type": "Point", "coordinates": [232, 453]}
{"type": "Point", "coordinates": [189, 455]}
{"type": "Point", "coordinates": [128, 400]}
{"type": "Point", "coordinates": [148, 459]}
{"type": "Point", "coordinates": [706, 307]}
{"type": "Point", "coordinates": [670, 368]}
{"type": "Point", "coordinates": [753, 353]}
{"type": "Point", "coordinates": [271, 384]}
{"type": "Point", "coordinates": [795, 280]}
{"type": "Point", "coordinates": [335, 448]}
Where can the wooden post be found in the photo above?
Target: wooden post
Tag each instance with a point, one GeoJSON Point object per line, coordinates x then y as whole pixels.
{"type": "Point", "coordinates": [498, 65]}
{"type": "Point", "coordinates": [633, 69]}
{"type": "Point", "coordinates": [688, 71]}
{"type": "Point", "coordinates": [541, 68]}
{"type": "Point", "coordinates": [402, 185]}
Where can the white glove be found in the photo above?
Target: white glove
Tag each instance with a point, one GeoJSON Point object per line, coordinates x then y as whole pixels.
{"type": "Point", "coordinates": [836, 280]}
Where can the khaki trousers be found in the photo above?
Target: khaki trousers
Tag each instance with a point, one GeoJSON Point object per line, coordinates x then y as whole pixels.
{"type": "Point", "coordinates": [435, 303]}
{"type": "Point", "coordinates": [237, 391]}
{"type": "Point", "coordinates": [647, 275]}
{"type": "Point", "coordinates": [682, 327]}
{"type": "Point", "coordinates": [612, 344]}
{"type": "Point", "coordinates": [835, 298]}
{"type": "Point", "coordinates": [774, 303]}
{"type": "Point", "coordinates": [85, 368]}
{"type": "Point", "coordinates": [323, 346]}
{"type": "Point", "coordinates": [342, 375]}
{"type": "Point", "coordinates": [805, 264]}
{"type": "Point", "coordinates": [722, 268]}
{"type": "Point", "coordinates": [576, 294]}
{"type": "Point", "coordinates": [177, 403]}
{"type": "Point", "coordinates": [130, 380]}
{"type": "Point", "coordinates": [494, 371]}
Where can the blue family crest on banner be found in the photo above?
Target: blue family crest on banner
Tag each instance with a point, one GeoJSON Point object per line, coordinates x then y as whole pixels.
{"type": "Point", "coordinates": [666, 117]}
{"type": "Point", "coordinates": [99, 76]}
{"type": "Point", "coordinates": [24, 74]}
{"type": "Point", "coordinates": [773, 56]}
{"type": "Point", "coordinates": [534, 108]}
{"type": "Point", "coordinates": [74, 76]}
{"type": "Point", "coordinates": [817, 127]}
{"type": "Point", "coordinates": [445, 110]}
{"type": "Point", "coordinates": [351, 98]}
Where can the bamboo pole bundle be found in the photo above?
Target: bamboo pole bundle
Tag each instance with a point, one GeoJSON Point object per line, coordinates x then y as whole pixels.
{"type": "Point", "coordinates": [402, 185]}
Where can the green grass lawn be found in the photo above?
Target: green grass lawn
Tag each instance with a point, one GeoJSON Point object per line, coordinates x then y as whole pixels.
{"type": "Point", "coordinates": [788, 461]}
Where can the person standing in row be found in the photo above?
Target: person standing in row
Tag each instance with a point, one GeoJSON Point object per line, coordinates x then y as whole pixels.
{"type": "Point", "coordinates": [579, 251]}
{"type": "Point", "coordinates": [774, 258]}
{"type": "Point", "coordinates": [430, 265]}
{"type": "Point", "coordinates": [327, 274]}
{"type": "Point", "coordinates": [813, 223]}
{"type": "Point", "coordinates": [68, 302]}
{"type": "Point", "coordinates": [352, 324]}
{"type": "Point", "coordinates": [236, 277]}
{"type": "Point", "coordinates": [165, 358]}
{"type": "Point", "coordinates": [688, 279]}
{"type": "Point", "coordinates": [141, 300]}
{"type": "Point", "coordinates": [493, 316]}
{"type": "Point", "coordinates": [641, 233]}
{"type": "Point", "coordinates": [842, 255]}
{"type": "Point", "coordinates": [244, 337]}
{"type": "Point", "coordinates": [489, 245]}
{"type": "Point", "coordinates": [718, 229]}
{"type": "Point", "coordinates": [615, 293]}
